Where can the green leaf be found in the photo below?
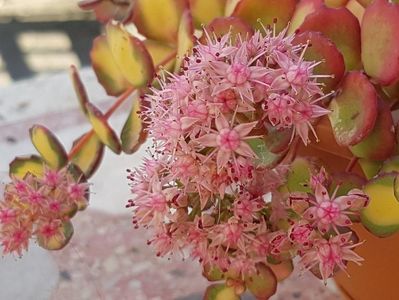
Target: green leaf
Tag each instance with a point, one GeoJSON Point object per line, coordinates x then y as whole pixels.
{"type": "Point", "coordinates": [48, 146]}
{"type": "Point", "coordinates": [266, 158]}
{"type": "Point", "coordinates": [185, 38]}
{"type": "Point", "coordinates": [204, 11]}
{"type": "Point", "coordinates": [102, 129]}
{"type": "Point", "coordinates": [22, 165]}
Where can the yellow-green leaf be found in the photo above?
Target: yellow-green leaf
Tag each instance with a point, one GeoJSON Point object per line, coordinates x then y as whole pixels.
{"type": "Point", "coordinates": [263, 284]}
{"type": "Point", "coordinates": [204, 11]}
{"type": "Point", "coordinates": [103, 130]}
{"type": "Point", "coordinates": [133, 134]}
{"type": "Point", "coordinates": [381, 216]}
{"type": "Point", "coordinates": [48, 146]}
{"type": "Point", "coordinates": [21, 165]}
{"type": "Point", "coordinates": [185, 40]}
{"type": "Point", "coordinates": [220, 292]}
{"type": "Point", "coordinates": [79, 88]}
{"type": "Point", "coordinates": [55, 243]}
{"type": "Point", "coordinates": [130, 55]}
{"type": "Point", "coordinates": [89, 154]}
{"type": "Point", "coordinates": [160, 52]}
{"type": "Point", "coordinates": [104, 65]}
{"type": "Point", "coordinates": [265, 11]}
{"type": "Point", "coordinates": [158, 19]}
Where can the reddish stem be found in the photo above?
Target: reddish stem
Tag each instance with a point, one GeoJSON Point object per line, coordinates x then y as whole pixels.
{"type": "Point", "coordinates": [113, 108]}
{"type": "Point", "coordinates": [351, 164]}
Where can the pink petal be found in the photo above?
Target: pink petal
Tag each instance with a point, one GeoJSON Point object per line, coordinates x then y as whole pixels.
{"type": "Point", "coordinates": [221, 123]}
{"type": "Point", "coordinates": [222, 159]}
{"type": "Point", "coordinates": [187, 122]}
{"type": "Point", "coordinates": [245, 128]}
{"type": "Point", "coordinates": [208, 140]}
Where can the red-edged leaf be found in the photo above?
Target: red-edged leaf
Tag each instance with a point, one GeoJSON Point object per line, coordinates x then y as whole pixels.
{"type": "Point", "coordinates": [345, 33]}
{"type": "Point", "coordinates": [380, 143]}
{"type": "Point", "coordinates": [302, 10]}
{"type": "Point", "coordinates": [263, 284]}
{"type": "Point", "coordinates": [221, 26]}
{"type": "Point", "coordinates": [130, 55]}
{"type": "Point", "coordinates": [265, 11]}
{"type": "Point", "coordinates": [49, 147]}
{"type": "Point", "coordinates": [323, 49]}
{"type": "Point", "coordinates": [79, 88]}
{"type": "Point", "coordinates": [159, 19]}
{"type": "Point", "coordinates": [55, 243]}
{"type": "Point", "coordinates": [133, 133]}
{"type": "Point", "coordinates": [89, 154]}
{"type": "Point", "coordinates": [160, 52]}
{"type": "Point", "coordinates": [380, 41]}
{"type": "Point", "coordinates": [102, 129]}
{"type": "Point", "coordinates": [354, 109]}
{"type": "Point", "coordinates": [22, 165]}
{"type": "Point", "coordinates": [220, 292]}
{"type": "Point", "coordinates": [185, 38]}
{"type": "Point", "coordinates": [107, 10]}
{"type": "Point", "coordinates": [106, 69]}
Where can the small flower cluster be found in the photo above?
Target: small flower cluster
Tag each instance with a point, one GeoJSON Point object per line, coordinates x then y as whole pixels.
{"type": "Point", "coordinates": [204, 190]}
{"type": "Point", "coordinates": [40, 207]}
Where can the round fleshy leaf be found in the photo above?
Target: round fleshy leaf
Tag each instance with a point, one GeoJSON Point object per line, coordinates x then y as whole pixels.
{"type": "Point", "coordinates": [266, 158]}
{"type": "Point", "coordinates": [299, 175]}
{"type": "Point", "coordinates": [212, 273]}
{"type": "Point", "coordinates": [263, 284]}
{"type": "Point", "coordinates": [390, 165]}
{"type": "Point", "coordinates": [185, 38]}
{"type": "Point", "coordinates": [302, 10]}
{"type": "Point", "coordinates": [104, 65]}
{"type": "Point", "coordinates": [133, 134]}
{"type": "Point", "coordinates": [204, 11]}
{"type": "Point", "coordinates": [159, 19]}
{"type": "Point", "coordinates": [107, 10]}
{"type": "Point", "coordinates": [79, 88]}
{"type": "Point", "coordinates": [220, 292]}
{"type": "Point", "coordinates": [257, 12]}
{"type": "Point", "coordinates": [22, 165]}
{"type": "Point", "coordinates": [277, 140]}
{"type": "Point", "coordinates": [221, 26]}
{"type": "Point", "coordinates": [356, 8]}
{"type": "Point", "coordinates": [323, 49]}
{"type": "Point", "coordinates": [369, 167]}
{"type": "Point", "coordinates": [353, 110]}
{"type": "Point", "coordinates": [89, 154]}
{"type": "Point", "coordinates": [55, 243]}
{"type": "Point", "coordinates": [130, 55]}
{"type": "Point", "coordinates": [160, 52]}
{"type": "Point", "coordinates": [48, 146]}
{"type": "Point", "coordinates": [345, 33]}
{"type": "Point", "coordinates": [102, 129]}
{"type": "Point", "coordinates": [381, 216]}
{"type": "Point", "coordinates": [282, 270]}
{"type": "Point", "coordinates": [380, 143]}
{"type": "Point", "coordinates": [346, 182]}
{"type": "Point", "coordinates": [380, 41]}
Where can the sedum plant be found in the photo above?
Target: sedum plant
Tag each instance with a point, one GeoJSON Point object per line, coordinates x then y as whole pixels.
{"type": "Point", "coordinates": [273, 127]}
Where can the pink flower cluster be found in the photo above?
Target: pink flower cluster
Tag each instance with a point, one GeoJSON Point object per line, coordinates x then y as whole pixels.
{"type": "Point", "coordinates": [205, 192]}
{"type": "Point", "coordinates": [40, 207]}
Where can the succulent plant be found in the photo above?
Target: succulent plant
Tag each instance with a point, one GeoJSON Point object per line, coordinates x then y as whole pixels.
{"type": "Point", "coordinates": [229, 91]}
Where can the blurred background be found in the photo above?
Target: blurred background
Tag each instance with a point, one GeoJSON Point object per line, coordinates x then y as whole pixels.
{"type": "Point", "coordinates": [43, 36]}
